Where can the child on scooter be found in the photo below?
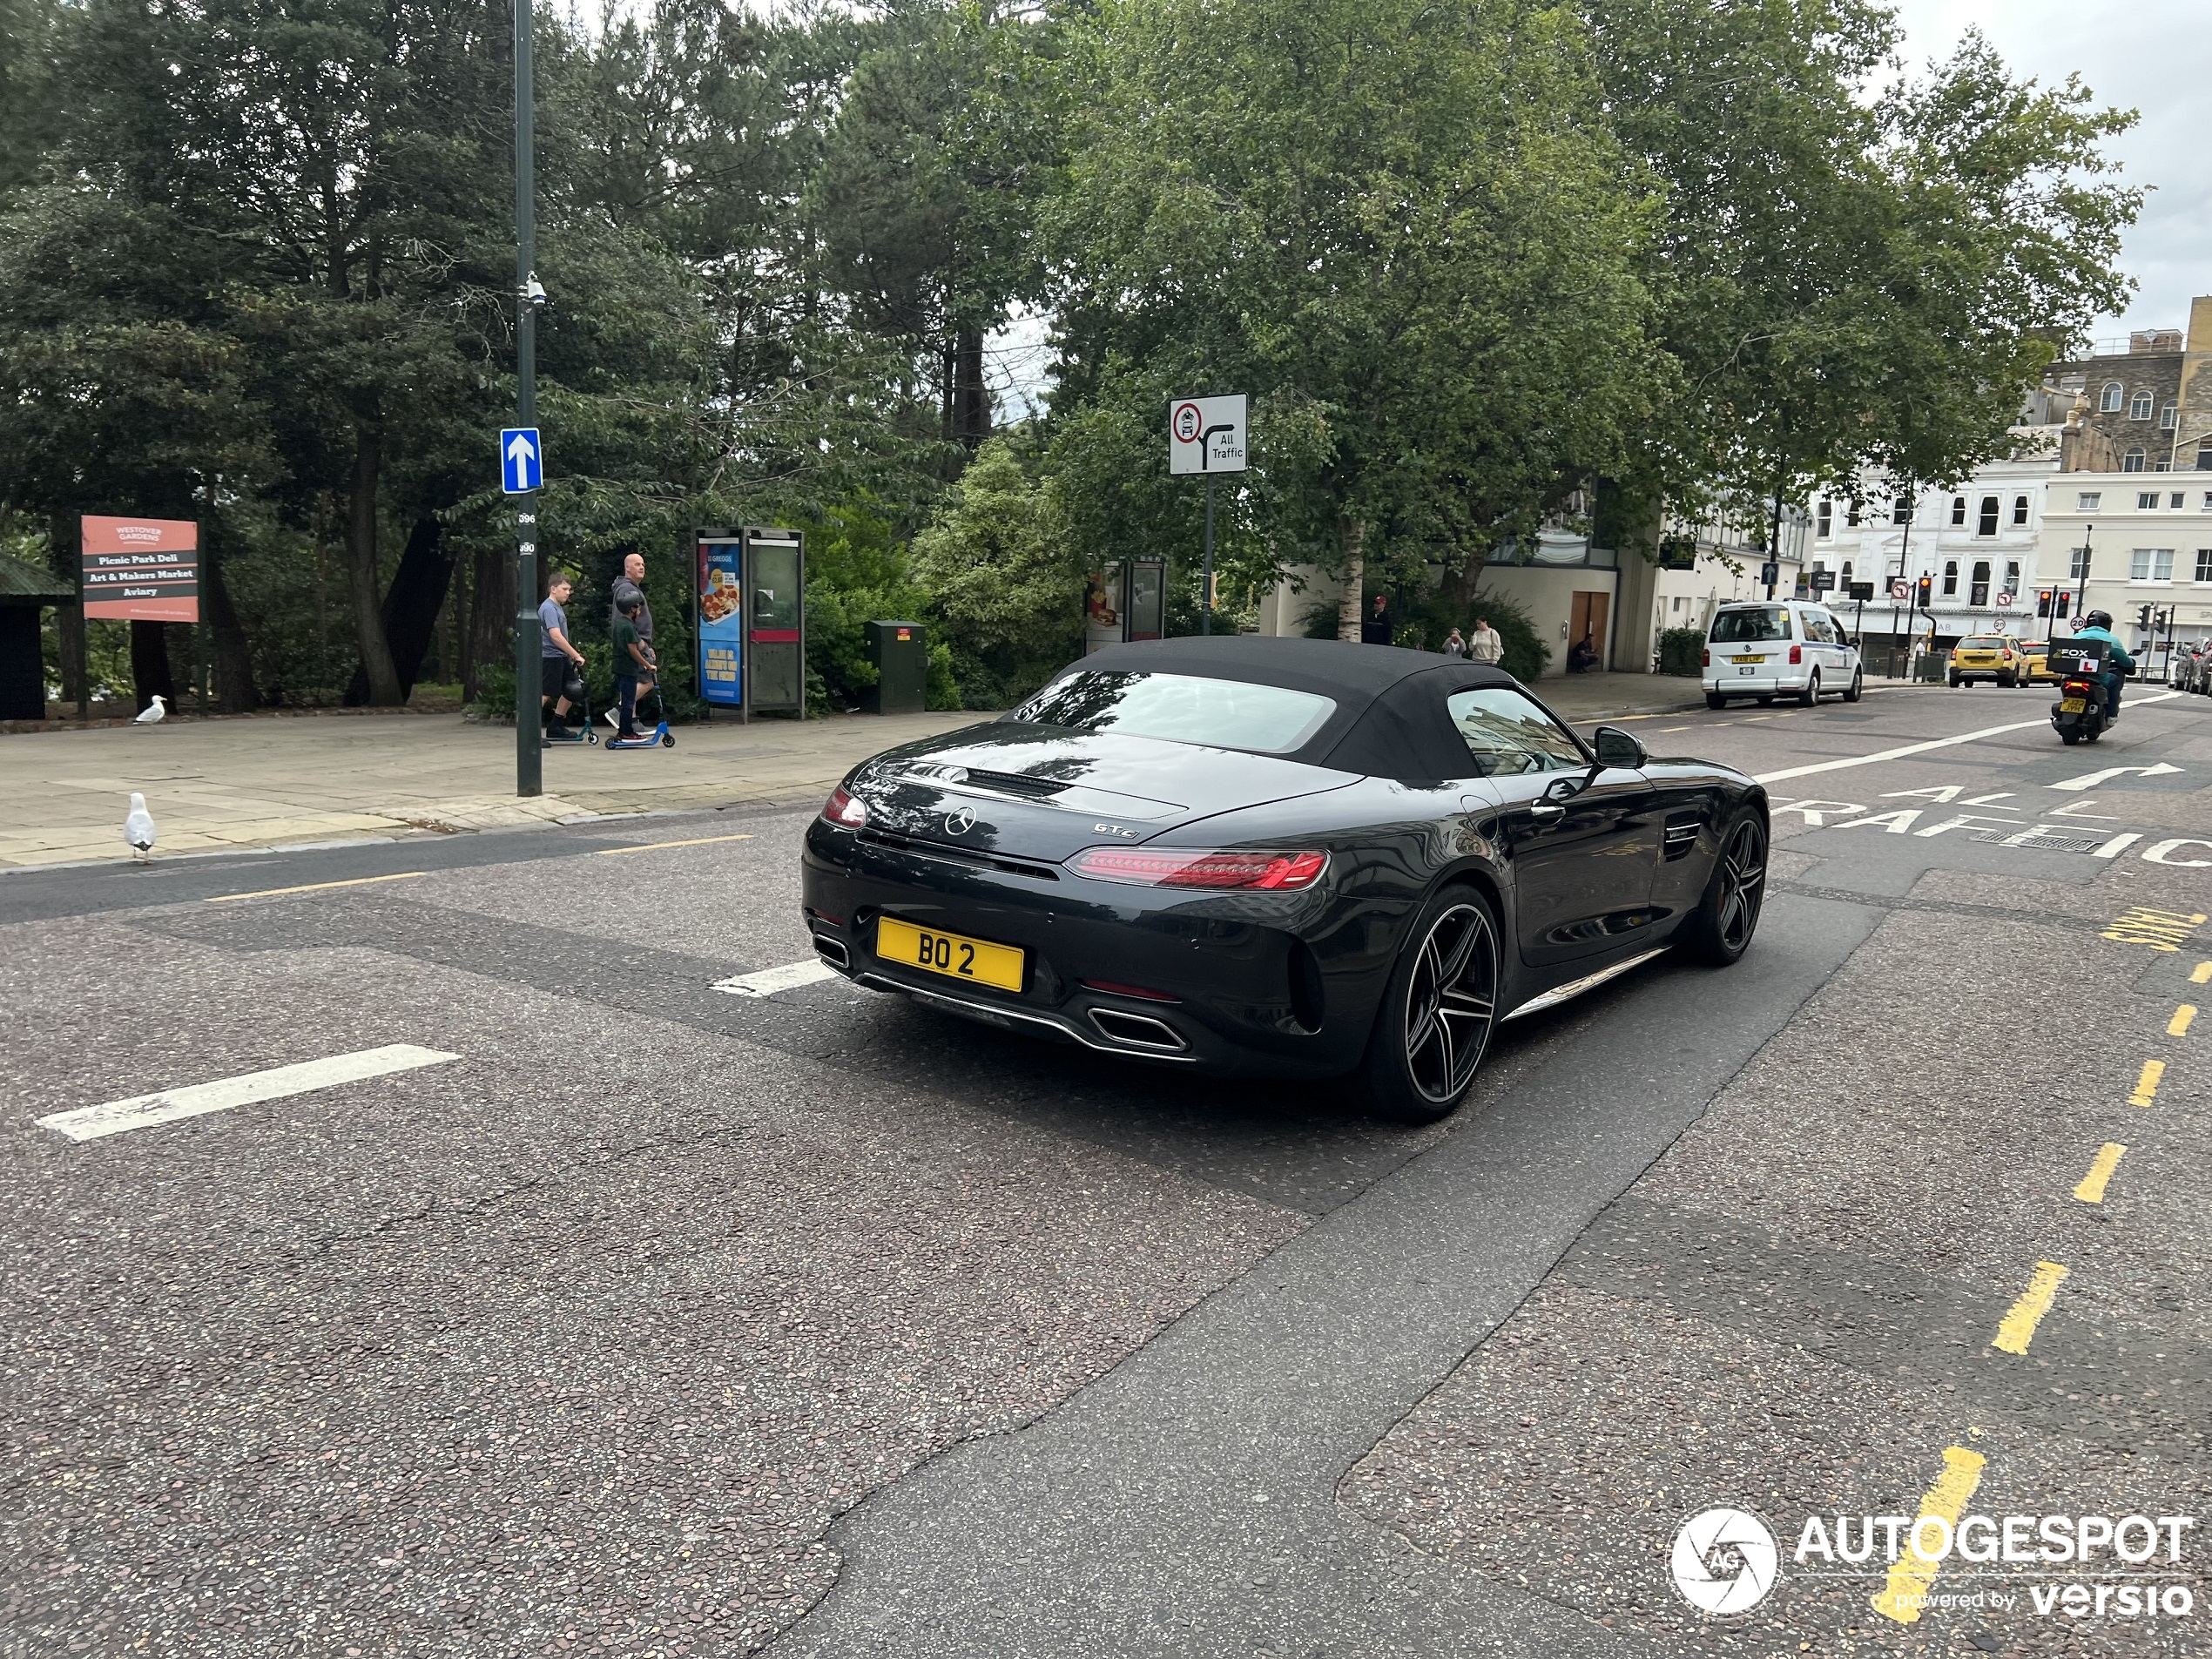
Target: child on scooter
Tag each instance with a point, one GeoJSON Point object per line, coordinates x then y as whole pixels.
{"type": "Point", "coordinates": [634, 674]}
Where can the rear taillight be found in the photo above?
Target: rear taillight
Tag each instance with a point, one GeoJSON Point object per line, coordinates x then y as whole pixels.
{"type": "Point", "coordinates": [846, 810]}
{"type": "Point", "coordinates": [1797, 655]}
{"type": "Point", "coordinates": [1178, 867]}
{"type": "Point", "coordinates": [1708, 657]}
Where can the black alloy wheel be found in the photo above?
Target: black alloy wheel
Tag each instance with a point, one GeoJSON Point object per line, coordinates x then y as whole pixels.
{"type": "Point", "coordinates": [1728, 913]}
{"type": "Point", "coordinates": [1437, 1014]}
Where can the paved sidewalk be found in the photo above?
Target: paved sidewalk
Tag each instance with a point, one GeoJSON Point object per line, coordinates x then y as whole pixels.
{"type": "Point", "coordinates": [224, 784]}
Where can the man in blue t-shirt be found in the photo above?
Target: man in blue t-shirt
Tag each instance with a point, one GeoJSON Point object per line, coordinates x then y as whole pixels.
{"type": "Point", "coordinates": [556, 654]}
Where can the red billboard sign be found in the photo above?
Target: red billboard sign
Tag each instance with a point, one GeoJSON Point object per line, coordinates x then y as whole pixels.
{"type": "Point", "coordinates": [141, 569]}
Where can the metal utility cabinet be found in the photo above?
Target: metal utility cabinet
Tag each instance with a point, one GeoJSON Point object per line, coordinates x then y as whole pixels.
{"type": "Point", "coordinates": [901, 653]}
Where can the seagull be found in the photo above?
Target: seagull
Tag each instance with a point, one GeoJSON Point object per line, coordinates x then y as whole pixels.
{"type": "Point", "coordinates": [138, 827]}
{"type": "Point", "coordinates": [153, 715]}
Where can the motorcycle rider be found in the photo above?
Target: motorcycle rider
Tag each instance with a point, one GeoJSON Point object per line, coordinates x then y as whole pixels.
{"type": "Point", "coordinates": [2118, 664]}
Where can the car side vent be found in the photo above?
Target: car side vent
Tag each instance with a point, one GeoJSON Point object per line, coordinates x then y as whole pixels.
{"type": "Point", "coordinates": [1681, 835]}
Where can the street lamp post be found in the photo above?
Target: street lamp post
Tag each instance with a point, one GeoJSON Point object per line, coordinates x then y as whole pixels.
{"type": "Point", "coordinates": [2081, 593]}
{"type": "Point", "coordinates": [529, 755]}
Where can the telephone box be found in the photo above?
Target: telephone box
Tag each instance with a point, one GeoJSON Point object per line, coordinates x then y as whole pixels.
{"type": "Point", "coordinates": [749, 609]}
{"type": "Point", "coordinates": [1126, 600]}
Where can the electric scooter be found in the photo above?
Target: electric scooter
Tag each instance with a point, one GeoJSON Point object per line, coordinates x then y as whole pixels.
{"type": "Point", "coordinates": [659, 736]}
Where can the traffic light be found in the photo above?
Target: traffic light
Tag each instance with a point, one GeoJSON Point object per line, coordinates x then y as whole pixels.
{"type": "Point", "coordinates": [1925, 593]}
{"type": "Point", "coordinates": [2142, 618]}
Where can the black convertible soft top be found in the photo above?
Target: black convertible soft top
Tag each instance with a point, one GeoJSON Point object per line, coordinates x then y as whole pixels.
{"type": "Point", "coordinates": [1390, 719]}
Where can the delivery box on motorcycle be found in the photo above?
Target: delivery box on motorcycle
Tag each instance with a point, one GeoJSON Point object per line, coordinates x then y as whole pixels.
{"type": "Point", "coordinates": [2078, 659]}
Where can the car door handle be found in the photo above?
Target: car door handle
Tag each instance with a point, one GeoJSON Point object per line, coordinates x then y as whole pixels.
{"type": "Point", "coordinates": [1546, 810]}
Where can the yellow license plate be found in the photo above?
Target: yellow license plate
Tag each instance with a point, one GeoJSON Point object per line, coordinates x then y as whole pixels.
{"type": "Point", "coordinates": [2073, 706]}
{"type": "Point", "coordinates": [955, 956]}
{"type": "Point", "coordinates": [1747, 659]}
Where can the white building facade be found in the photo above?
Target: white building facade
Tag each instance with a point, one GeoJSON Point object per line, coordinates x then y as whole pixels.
{"type": "Point", "coordinates": [2138, 544]}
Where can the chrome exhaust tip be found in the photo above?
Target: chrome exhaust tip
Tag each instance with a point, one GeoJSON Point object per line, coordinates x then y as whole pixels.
{"type": "Point", "coordinates": [1137, 1030]}
{"type": "Point", "coordinates": [832, 951]}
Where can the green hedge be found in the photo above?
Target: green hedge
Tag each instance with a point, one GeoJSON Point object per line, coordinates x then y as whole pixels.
{"type": "Point", "coordinates": [1682, 650]}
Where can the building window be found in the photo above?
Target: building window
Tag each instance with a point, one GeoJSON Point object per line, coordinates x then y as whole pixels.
{"type": "Point", "coordinates": [2133, 462]}
{"type": "Point", "coordinates": [2151, 564]}
{"type": "Point", "coordinates": [1850, 513]}
{"type": "Point", "coordinates": [1988, 515]}
{"type": "Point", "coordinates": [2110, 401]}
{"type": "Point", "coordinates": [2086, 501]}
{"type": "Point", "coordinates": [2175, 500]}
{"type": "Point", "coordinates": [2204, 454]}
{"type": "Point", "coordinates": [1825, 523]}
{"type": "Point", "coordinates": [1901, 509]}
{"type": "Point", "coordinates": [1846, 575]}
{"type": "Point", "coordinates": [1957, 509]}
{"type": "Point", "coordinates": [2012, 576]}
{"type": "Point", "coordinates": [2204, 564]}
{"type": "Point", "coordinates": [1950, 575]}
{"type": "Point", "coordinates": [2020, 510]}
{"type": "Point", "coordinates": [2146, 500]}
{"type": "Point", "coordinates": [1978, 594]}
{"type": "Point", "coordinates": [2166, 417]}
{"type": "Point", "coordinates": [2139, 406]}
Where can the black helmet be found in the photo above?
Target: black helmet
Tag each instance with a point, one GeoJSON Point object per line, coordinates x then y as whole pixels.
{"type": "Point", "coordinates": [2098, 619]}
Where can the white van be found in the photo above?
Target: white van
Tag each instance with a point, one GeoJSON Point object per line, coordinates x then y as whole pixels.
{"type": "Point", "coordinates": [1776, 648]}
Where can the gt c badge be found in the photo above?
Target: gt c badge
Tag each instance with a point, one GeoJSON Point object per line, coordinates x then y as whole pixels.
{"type": "Point", "coordinates": [1113, 829]}
{"type": "Point", "coordinates": [959, 820]}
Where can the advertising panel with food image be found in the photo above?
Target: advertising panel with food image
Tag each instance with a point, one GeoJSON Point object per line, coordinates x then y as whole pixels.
{"type": "Point", "coordinates": [721, 629]}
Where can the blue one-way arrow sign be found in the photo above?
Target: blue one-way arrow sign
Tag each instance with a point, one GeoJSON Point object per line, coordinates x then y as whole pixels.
{"type": "Point", "coordinates": [522, 460]}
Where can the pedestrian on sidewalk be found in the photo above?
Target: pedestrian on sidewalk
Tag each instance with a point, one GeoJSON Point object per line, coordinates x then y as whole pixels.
{"type": "Point", "coordinates": [1376, 630]}
{"type": "Point", "coordinates": [633, 663]}
{"type": "Point", "coordinates": [1486, 644]}
{"type": "Point", "coordinates": [1453, 645]}
{"type": "Point", "coordinates": [557, 656]}
{"type": "Point", "coordinates": [632, 584]}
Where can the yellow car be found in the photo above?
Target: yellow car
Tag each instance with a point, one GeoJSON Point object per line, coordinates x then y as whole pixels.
{"type": "Point", "coordinates": [2032, 654]}
{"type": "Point", "coordinates": [1986, 656]}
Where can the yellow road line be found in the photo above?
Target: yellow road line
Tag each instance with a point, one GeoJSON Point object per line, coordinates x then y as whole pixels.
{"type": "Point", "coordinates": [2147, 1085]}
{"type": "Point", "coordinates": [1913, 1572]}
{"type": "Point", "coordinates": [2179, 1025]}
{"type": "Point", "coordinates": [2092, 1190]}
{"type": "Point", "coordinates": [317, 886]}
{"type": "Point", "coordinates": [2017, 1330]}
{"type": "Point", "coordinates": [2201, 974]}
{"type": "Point", "coordinates": [655, 846]}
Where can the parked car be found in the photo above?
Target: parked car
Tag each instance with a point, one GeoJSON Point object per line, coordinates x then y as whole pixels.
{"type": "Point", "coordinates": [1784, 647]}
{"type": "Point", "coordinates": [1986, 656]}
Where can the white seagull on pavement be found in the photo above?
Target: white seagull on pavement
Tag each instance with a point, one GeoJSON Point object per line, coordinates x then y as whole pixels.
{"type": "Point", "coordinates": [138, 827]}
{"type": "Point", "coordinates": [153, 715]}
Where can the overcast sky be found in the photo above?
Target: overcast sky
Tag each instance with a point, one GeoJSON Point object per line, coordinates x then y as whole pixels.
{"type": "Point", "coordinates": [2153, 56]}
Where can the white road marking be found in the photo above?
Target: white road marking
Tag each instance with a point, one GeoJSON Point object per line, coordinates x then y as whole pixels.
{"type": "Point", "coordinates": [1923, 748]}
{"type": "Point", "coordinates": [2091, 780]}
{"type": "Point", "coordinates": [112, 1117]}
{"type": "Point", "coordinates": [769, 980]}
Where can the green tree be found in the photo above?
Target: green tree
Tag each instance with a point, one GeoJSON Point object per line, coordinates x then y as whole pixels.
{"type": "Point", "coordinates": [1404, 227]}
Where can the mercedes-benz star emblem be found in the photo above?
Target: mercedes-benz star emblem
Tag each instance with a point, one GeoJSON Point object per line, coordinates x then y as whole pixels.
{"type": "Point", "coordinates": [959, 820]}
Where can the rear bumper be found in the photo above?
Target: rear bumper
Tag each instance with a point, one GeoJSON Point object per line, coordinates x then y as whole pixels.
{"type": "Point", "coordinates": [1235, 987]}
{"type": "Point", "coordinates": [1758, 684]}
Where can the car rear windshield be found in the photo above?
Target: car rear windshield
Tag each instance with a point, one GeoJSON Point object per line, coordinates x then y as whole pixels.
{"type": "Point", "coordinates": [1181, 708]}
{"type": "Point", "coordinates": [1752, 622]}
{"type": "Point", "coordinates": [1982, 641]}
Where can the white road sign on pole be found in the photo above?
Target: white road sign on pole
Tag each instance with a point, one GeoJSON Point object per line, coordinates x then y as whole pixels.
{"type": "Point", "coordinates": [1206, 433]}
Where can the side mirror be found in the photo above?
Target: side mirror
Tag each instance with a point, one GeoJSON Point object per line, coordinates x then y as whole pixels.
{"type": "Point", "coordinates": [1617, 748]}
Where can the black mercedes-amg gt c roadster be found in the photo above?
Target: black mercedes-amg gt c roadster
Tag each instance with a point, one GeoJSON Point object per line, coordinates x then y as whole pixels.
{"type": "Point", "coordinates": [1278, 857]}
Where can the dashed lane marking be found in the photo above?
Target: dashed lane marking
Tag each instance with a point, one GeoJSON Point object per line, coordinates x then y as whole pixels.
{"type": "Point", "coordinates": [2147, 1082]}
{"type": "Point", "coordinates": [2179, 1025]}
{"type": "Point", "coordinates": [2092, 1190]}
{"type": "Point", "coordinates": [315, 886]}
{"type": "Point", "coordinates": [1923, 748]}
{"type": "Point", "coordinates": [2201, 974]}
{"type": "Point", "coordinates": [655, 846]}
{"type": "Point", "coordinates": [1902, 1593]}
{"type": "Point", "coordinates": [2017, 1329]}
{"type": "Point", "coordinates": [112, 1117]}
{"type": "Point", "coordinates": [769, 980]}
